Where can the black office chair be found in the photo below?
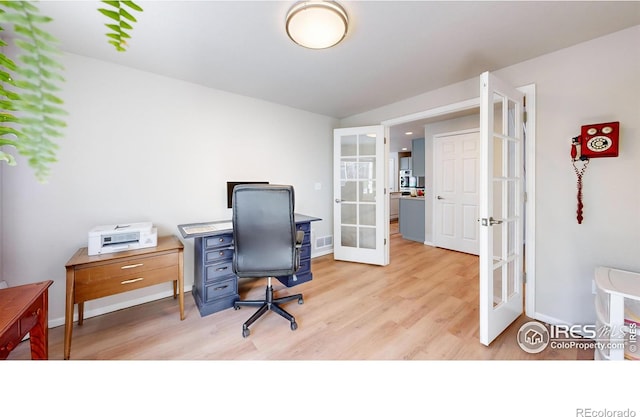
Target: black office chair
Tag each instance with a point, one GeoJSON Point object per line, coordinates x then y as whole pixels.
{"type": "Point", "coordinates": [266, 243]}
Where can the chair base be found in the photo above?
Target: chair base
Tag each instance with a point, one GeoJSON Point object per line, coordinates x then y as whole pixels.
{"type": "Point", "coordinates": [269, 303]}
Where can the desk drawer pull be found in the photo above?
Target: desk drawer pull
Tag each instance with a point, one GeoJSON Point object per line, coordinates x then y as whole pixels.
{"type": "Point", "coordinates": [131, 266]}
{"type": "Point", "coordinates": [131, 281]}
{"type": "Point", "coordinates": [222, 268]}
{"type": "Point", "coordinates": [222, 287]}
{"type": "Point", "coordinates": [8, 347]}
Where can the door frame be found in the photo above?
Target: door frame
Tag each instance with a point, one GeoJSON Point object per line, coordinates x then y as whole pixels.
{"type": "Point", "coordinates": [529, 177]}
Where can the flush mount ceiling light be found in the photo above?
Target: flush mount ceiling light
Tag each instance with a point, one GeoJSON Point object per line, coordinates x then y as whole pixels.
{"type": "Point", "coordinates": [317, 24]}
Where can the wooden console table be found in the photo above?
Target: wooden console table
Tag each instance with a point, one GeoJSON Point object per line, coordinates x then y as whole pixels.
{"type": "Point", "coordinates": [96, 276]}
{"type": "Point", "coordinates": [24, 309]}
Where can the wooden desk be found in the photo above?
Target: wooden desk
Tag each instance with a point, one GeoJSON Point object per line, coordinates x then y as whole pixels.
{"type": "Point", "coordinates": [91, 277]}
{"type": "Point", "coordinates": [24, 309]}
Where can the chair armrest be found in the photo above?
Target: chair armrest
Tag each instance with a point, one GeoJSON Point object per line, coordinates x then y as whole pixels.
{"type": "Point", "coordinates": [299, 239]}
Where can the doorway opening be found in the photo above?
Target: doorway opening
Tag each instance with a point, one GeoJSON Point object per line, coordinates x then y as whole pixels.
{"type": "Point", "coordinates": [463, 112]}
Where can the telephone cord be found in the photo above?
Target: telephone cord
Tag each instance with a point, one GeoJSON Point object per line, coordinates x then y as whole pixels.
{"type": "Point", "coordinates": [580, 173]}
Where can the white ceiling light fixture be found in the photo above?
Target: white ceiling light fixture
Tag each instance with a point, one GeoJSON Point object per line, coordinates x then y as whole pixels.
{"type": "Point", "coordinates": [317, 24]}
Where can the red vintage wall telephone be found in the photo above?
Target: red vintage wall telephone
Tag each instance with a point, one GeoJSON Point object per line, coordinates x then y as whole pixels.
{"type": "Point", "coordinates": [595, 141]}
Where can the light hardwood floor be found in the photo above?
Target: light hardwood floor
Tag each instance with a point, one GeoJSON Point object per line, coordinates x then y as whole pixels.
{"type": "Point", "coordinates": [423, 306]}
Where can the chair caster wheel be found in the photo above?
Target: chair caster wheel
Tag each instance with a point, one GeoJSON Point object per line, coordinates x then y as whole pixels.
{"type": "Point", "coordinates": [245, 332]}
{"type": "Point", "coordinates": [294, 325]}
{"type": "Point", "coordinates": [236, 307]}
{"type": "Point", "coordinates": [301, 301]}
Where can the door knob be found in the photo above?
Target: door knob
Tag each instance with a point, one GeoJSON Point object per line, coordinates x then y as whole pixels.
{"type": "Point", "coordinates": [338, 200]}
{"type": "Point", "coordinates": [440, 198]}
{"type": "Point", "coordinates": [490, 221]}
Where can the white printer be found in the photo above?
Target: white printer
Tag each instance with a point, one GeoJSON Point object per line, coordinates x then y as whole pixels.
{"type": "Point", "coordinates": [118, 237]}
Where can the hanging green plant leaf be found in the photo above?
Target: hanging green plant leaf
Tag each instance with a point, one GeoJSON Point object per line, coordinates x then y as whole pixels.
{"type": "Point", "coordinates": [30, 110]}
{"type": "Point", "coordinates": [118, 12]}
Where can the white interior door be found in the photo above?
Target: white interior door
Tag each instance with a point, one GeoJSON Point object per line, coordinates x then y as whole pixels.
{"type": "Point", "coordinates": [456, 191]}
{"type": "Point", "coordinates": [501, 206]}
{"type": "Point", "coordinates": [361, 203]}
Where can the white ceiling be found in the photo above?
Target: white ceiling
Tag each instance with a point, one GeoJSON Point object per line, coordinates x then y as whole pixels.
{"type": "Point", "coordinates": [393, 50]}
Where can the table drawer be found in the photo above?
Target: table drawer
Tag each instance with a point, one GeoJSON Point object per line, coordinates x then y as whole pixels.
{"type": "Point", "coordinates": [220, 289]}
{"type": "Point", "coordinates": [14, 334]}
{"type": "Point", "coordinates": [131, 266]}
{"type": "Point", "coordinates": [305, 266]}
{"type": "Point", "coordinates": [305, 227]}
{"type": "Point", "coordinates": [30, 317]}
{"type": "Point", "coordinates": [216, 271]}
{"type": "Point", "coordinates": [217, 241]}
{"type": "Point", "coordinates": [9, 339]}
{"type": "Point", "coordinates": [305, 252]}
{"type": "Point", "coordinates": [101, 285]}
{"type": "Point", "coordinates": [292, 280]}
{"type": "Point", "coordinates": [218, 255]}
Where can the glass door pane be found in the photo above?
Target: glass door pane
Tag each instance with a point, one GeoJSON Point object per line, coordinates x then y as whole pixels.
{"type": "Point", "coordinates": [358, 190]}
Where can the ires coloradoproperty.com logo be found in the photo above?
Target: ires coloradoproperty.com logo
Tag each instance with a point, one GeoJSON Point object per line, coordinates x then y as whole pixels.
{"type": "Point", "coordinates": [534, 337]}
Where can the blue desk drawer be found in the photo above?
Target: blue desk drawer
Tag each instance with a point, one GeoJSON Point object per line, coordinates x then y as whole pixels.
{"type": "Point", "coordinates": [217, 241]}
{"type": "Point", "coordinates": [216, 271]}
{"type": "Point", "coordinates": [218, 255]}
{"type": "Point", "coordinates": [305, 252]}
{"type": "Point", "coordinates": [220, 289]}
{"type": "Point", "coordinates": [305, 227]}
{"type": "Point", "coordinates": [305, 266]}
{"type": "Point", "coordinates": [291, 281]}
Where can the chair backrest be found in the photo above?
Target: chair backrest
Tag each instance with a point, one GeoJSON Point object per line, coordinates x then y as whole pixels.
{"type": "Point", "coordinates": [263, 230]}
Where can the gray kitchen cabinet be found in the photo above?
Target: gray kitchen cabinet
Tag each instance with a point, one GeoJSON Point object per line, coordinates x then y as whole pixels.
{"type": "Point", "coordinates": [411, 220]}
{"type": "Point", "coordinates": [405, 163]}
{"type": "Point", "coordinates": [417, 156]}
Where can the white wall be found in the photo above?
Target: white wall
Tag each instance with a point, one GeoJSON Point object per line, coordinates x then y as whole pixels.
{"type": "Point", "coordinates": [596, 81]}
{"type": "Point", "coordinates": [142, 147]}
{"type": "Point", "coordinates": [574, 89]}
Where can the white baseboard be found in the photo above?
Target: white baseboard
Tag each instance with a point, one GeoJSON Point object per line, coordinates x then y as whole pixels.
{"type": "Point", "coordinates": [322, 252]}
{"type": "Point", "coordinates": [550, 320]}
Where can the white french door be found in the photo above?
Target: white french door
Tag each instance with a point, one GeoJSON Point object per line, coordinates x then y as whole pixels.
{"type": "Point", "coordinates": [501, 206]}
{"type": "Point", "coordinates": [360, 215]}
